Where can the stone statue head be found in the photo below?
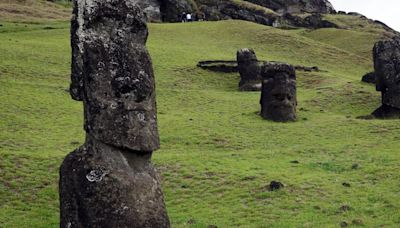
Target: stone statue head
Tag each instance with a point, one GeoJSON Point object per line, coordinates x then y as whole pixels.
{"type": "Point", "coordinates": [278, 97]}
{"type": "Point", "coordinates": [387, 70]}
{"type": "Point", "coordinates": [117, 83]}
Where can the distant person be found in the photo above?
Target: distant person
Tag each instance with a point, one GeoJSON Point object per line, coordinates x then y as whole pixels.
{"type": "Point", "coordinates": [183, 17]}
{"type": "Point", "coordinates": [189, 17]}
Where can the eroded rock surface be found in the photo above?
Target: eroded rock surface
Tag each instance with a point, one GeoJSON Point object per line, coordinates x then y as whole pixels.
{"type": "Point", "coordinates": [109, 181]}
{"type": "Point", "coordinates": [278, 94]}
{"type": "Point", "coordinates": [249, 70]}
{"type": "Point", "coordinates": [387, 72]}
{"type": "Point", "coordinates": [296, 6]}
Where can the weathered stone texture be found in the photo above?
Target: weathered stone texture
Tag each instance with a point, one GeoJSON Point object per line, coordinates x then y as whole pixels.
{"type": "Point", "coordinates": [387, 72]}
{"type": "Point", "coordinates": [249, 69]}
{"type": "Point", "coordinates": [110, 181]}
{"type": "Point", "coordinates": [278, 95]}
{"type": "Point", "coordinates": [103, 186]}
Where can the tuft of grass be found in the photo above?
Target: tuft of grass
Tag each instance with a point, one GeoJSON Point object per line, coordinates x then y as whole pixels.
{"type": "Point", "coordinates": [218, 156]}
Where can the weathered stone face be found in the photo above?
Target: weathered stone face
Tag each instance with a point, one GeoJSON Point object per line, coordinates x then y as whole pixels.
{"type": "Point", "coordinates": [117, 77]}
{"type": "Point", "coordinates": [387, 70]}
{"type": "Point", "coordinates": [249, 69]}
{"type": "Point", "coordinates": [109, 181]}
{"type": "Point", "coordinates": [278, 96]}
{"type": "Point", "coordinates": [103, 186]}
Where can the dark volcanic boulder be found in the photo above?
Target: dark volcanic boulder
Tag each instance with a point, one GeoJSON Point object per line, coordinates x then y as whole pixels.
{"type": "Point", "coordinates": [249, 69]}
{"type": "Point", "coordinates": [152, 9]}
{"type": "Point", "coordinates": [172, 10]}
{"type": "Point", "coordinates": [369, 78]}
{"type": "Point", "coordinates": [296, 6]}
{"type": "Point", "coordinates": [387, 70]}
{"type": "Point", "coordinates": [313, 21]}
{"type": "Point", "coordinates": [278, 95]}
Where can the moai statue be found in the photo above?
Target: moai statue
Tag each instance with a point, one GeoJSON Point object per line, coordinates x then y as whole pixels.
{"type": "Point", "coordinates": [110, 181]}
{"type": "Point", "coordinates": [249, 69]}
{"type": "Point", "coordinates": [387, 71]}
{"type": "Point", "coordinates": [278, 94]}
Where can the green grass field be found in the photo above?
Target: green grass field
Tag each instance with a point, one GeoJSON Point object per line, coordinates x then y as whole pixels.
{"type": "Point", "coordinates": [218, 156]}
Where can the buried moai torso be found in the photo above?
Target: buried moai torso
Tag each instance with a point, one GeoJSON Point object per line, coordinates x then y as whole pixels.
{"type": "Point", "coordinates": [278, 94]}
{"type": "Point", "coordinates": [249, 69]}
{"type": "Point", "coordinates": [110, 181]}
{"type": "Point", "coordinates": [387, 70]}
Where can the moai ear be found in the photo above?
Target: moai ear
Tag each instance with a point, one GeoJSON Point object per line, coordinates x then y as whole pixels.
{"type": "Point", "coordinates": [76, 87]}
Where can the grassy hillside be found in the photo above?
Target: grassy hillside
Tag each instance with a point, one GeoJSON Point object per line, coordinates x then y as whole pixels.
{"type": "Point", "coordinates": [217, 154]}
{"type": "Point", "coordinates": [34, 11]}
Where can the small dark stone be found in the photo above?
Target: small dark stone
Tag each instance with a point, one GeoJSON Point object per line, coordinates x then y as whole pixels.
{"type": "Point", "coordinates": [345, 184]}
{"type": "Point", "coordinates": [295, 162]}
{"type": "Point", "coordinates": [48, 28]}
{"type": "Point", "coordinates": [344, 208]}
{"type": "Point", "coordinates": [355, 166]}
{"type": "Point", "coordinates": [275, 185]}
{"type": "Point", "coordinates": [343, 224]}
{"type": "Point", "coordinates": [369, 78]}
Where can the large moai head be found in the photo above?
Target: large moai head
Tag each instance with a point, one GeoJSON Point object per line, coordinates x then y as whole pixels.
{"type": "Point", "coordinates": [249, 69]}
{"type": "Point", "coordinates": [113, 73]}
{"type": "Point", "coordinates": [278, 96]}
{"type": "Point", "coordinates": [387, 70]}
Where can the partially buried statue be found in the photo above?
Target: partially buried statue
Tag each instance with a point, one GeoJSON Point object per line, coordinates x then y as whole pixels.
{"type": "Point", "coordinates": [249, 69]}
{"type": "Point", "coordinates": [110, 181]}
{"type": "Point", "coordinates": [278, 94]}
{"type": "Point", "coordinates": [387, 71]}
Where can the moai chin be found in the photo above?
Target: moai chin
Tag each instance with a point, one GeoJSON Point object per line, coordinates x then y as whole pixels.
{"type": "Point", "coordinates": [110, 181]}
{"type": "Point", "coordinates": [278, 94]}
{"type": "Point", "coordinates": [249, 69]}
{"type": "Point", "coordinates": [387, 70]}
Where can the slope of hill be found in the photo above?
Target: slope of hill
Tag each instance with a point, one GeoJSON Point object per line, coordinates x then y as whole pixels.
{"type": "Point", "coordinates": [218, 155]}
{"type": "Point", "coordinates": [33, 11]}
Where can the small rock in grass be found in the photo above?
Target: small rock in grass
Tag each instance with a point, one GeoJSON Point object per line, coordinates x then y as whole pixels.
{"type": "Point", "coordinates": [357, 222]}
{"type": "Point", "coordinates": [275, 185]}
{"type": "Point", "coordinates": [355, 166]}
{"type": "Point", "coordinates": [345, 184]}
{"type": "Point", "coordinates": [295, 162]}
{"type": "Point", "coordinates": [344, 208]}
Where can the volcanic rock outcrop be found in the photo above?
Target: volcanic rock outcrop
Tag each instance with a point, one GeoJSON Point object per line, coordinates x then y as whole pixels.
{"type": "Point", "coordinates": [152, 9]}
{"type": "Point", "coordinates": [110, 181]}
{"type": "Point", "coordinates": [278, 94]}
{"type": "Point", "coordinates": [296, 6]}
{"type": "Point", "coordinates": [387, 71]}
{"type": "Point", "coordinates": [249, 70]}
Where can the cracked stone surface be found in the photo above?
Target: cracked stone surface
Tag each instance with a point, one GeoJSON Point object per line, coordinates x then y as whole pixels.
{"type": "Point", "coordinates": [110, 181]}
{"type": "Point", "coordinates": [387, 75]}
{"type": "Point", "coordinates": [278, 95]}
